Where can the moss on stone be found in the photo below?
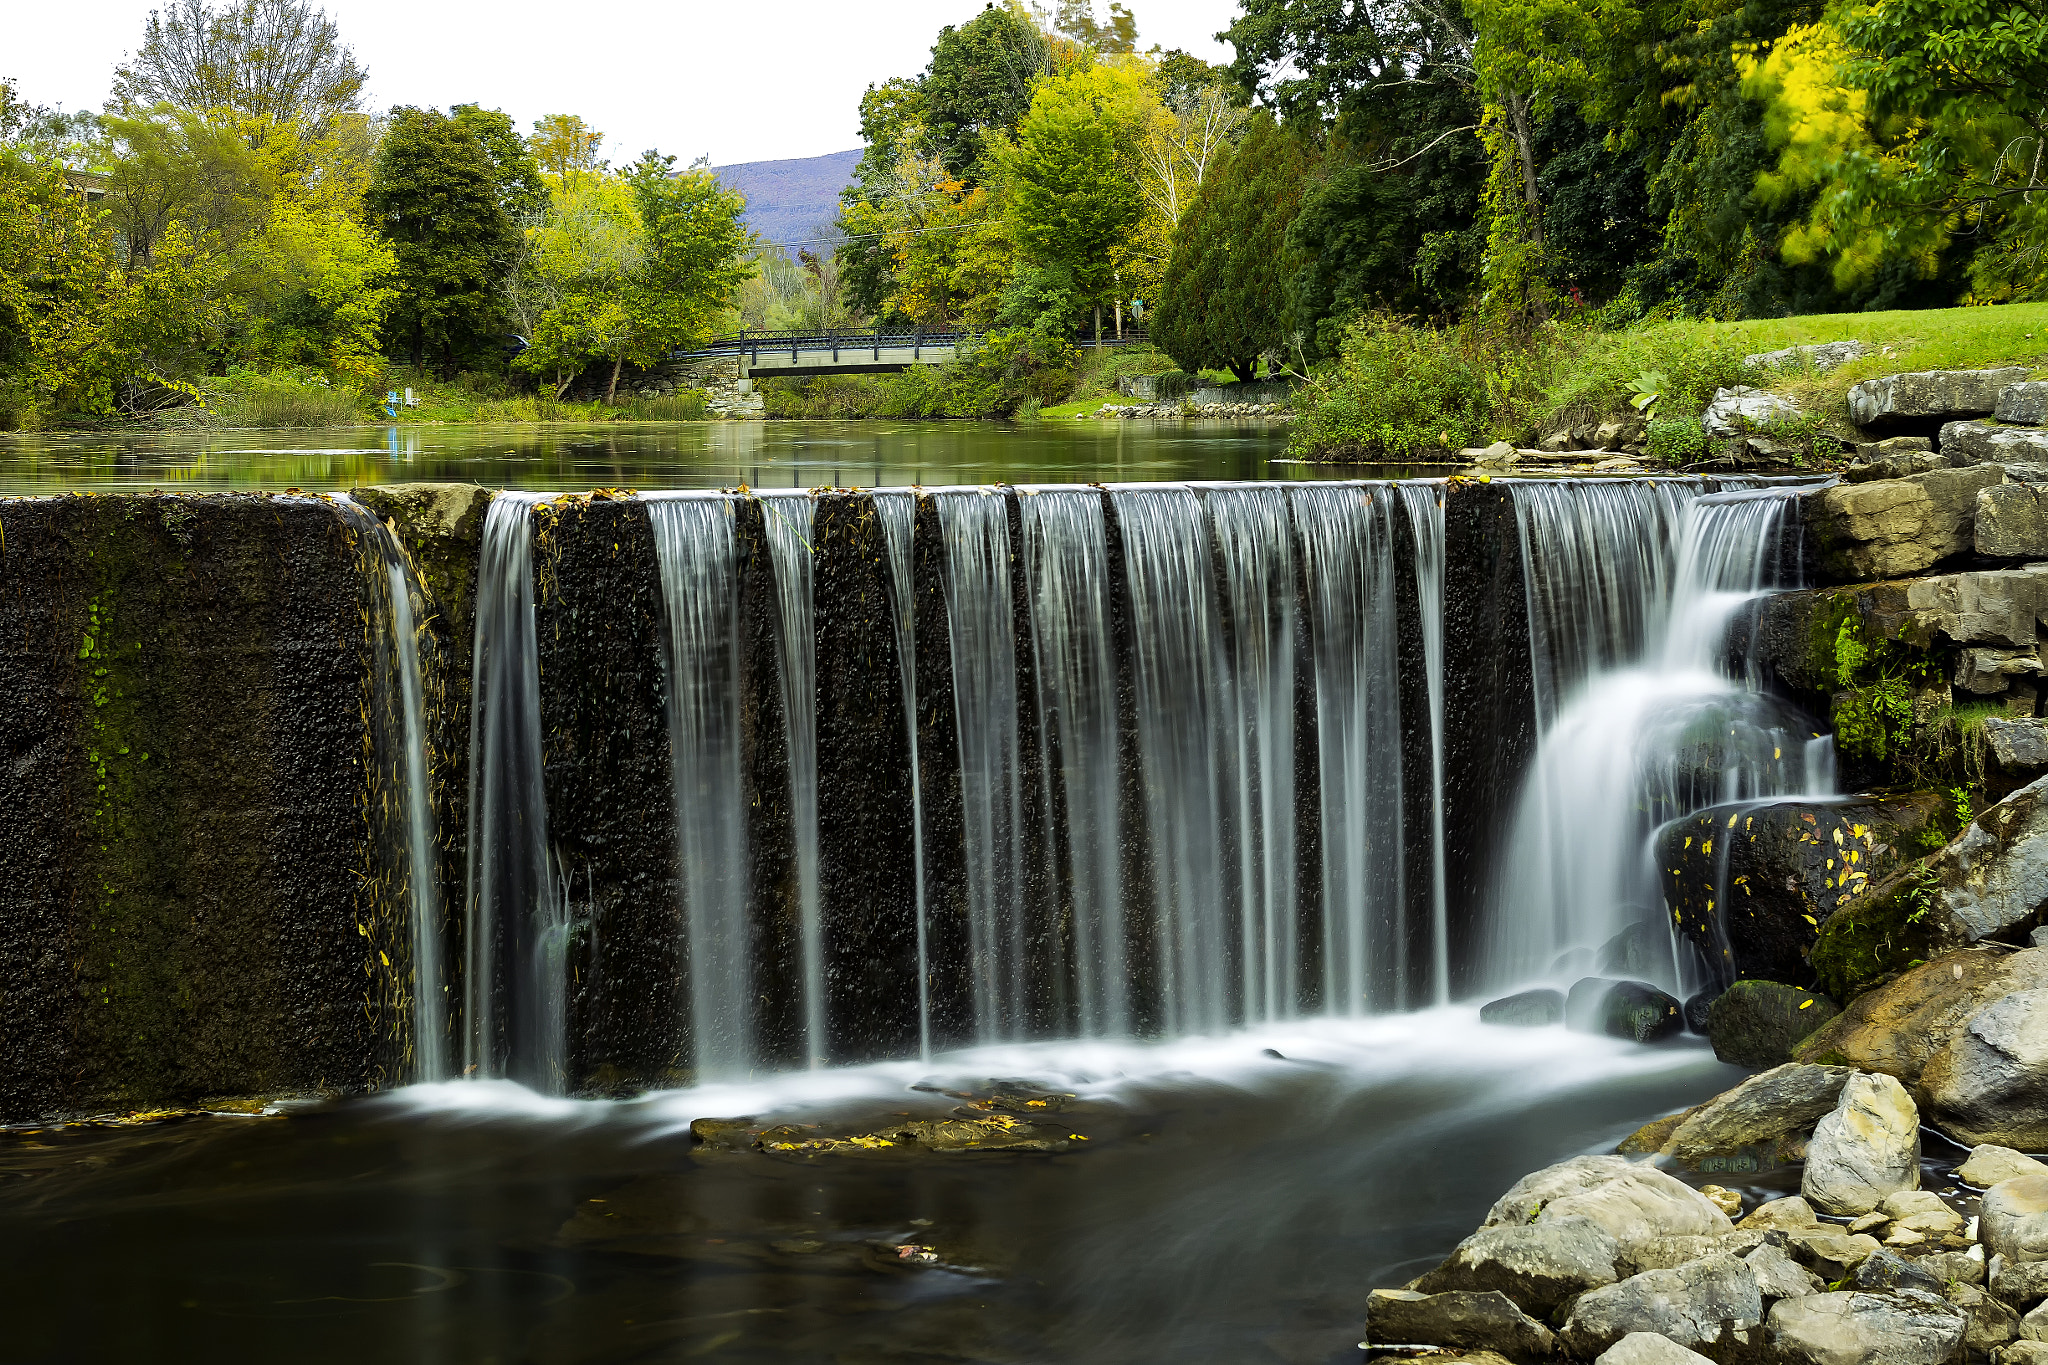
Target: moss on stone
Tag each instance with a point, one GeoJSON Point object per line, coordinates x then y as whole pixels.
{"type": "Point", "coordinates": [1861, 945]}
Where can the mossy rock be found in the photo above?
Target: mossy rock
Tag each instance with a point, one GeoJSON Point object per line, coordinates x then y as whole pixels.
{"type": "Point", "coordinates": [1758, 1023]}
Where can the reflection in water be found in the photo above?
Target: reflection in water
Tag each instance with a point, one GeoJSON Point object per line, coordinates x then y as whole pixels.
{"type": "Point", "coordinates": [1229, 1206]}
{"type": "Point", "coordinates": [649, 455]}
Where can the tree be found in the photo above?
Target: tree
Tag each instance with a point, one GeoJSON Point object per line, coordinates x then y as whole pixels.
{"type": "Point", "coordinates": [1223, 303]}
{"type": "Point", "coordinates": [566, 146]}
{"type": "Point", "coordinates": [521, 191]}
{"type": "Point", "coordinates": [694, 230]}
{"type": "Point", "coordinates": [1076, 19]}
{"type": "Point", "coordinates": [569, 293]}
{"type": "Point", "coordinates": [269, 60]}
{"type": "Point", "coordinates": [978, 83]}
{"type": "Point", "coordinates": [436, 197]}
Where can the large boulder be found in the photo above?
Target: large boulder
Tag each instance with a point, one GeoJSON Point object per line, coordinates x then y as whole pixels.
{"type": "Point", "coordinates": [1538, 1265]}
{"type": "Point", "coordinates": [1895, 527]}
{"type": "Point", "coordinates": [1867, 1148]}
{"type": "Point", "coordinates": [1702, 1302]}
{"type": "Point", "coordinates": [1526, 1009]}
{"type": "Point", "coordinates": [2025, 403]}
{"type": "Point", "coordinates": [1744, 409]}
{"type": "Point", "coordinates": [1990, 879]}
{"type": "Point", "coordinates": [2018, 745]}
{"type": "Point", "coordinates": [1649, 1348]}
{"type": "Point", "coordinates": [1764, 1111]}
{"type": "Point", "coordinates": [1641, 1204]}
{"type": "Point", "coordinates": [1989, 1083]}
{"type": "Point", "coordinates": [2012, 520]}
{"type": "Point", "coordinates": [1634, 1010]}
{"type": "Point", "coordinates": [1748, 884]}
{"type": "Point", "coordinates": [1989, 1164]}
{"type": "Point", "coordinates": [1487, 1321]}
{"type": "Point", "coordinates": [1758, 1023]}
{"type": "Point", "coordinates": [1898, 1027]}
{"type": "Point", "coordinates": [2012, 1220]}
{"type": "Point", "coordinates": [1528, 1197]}
{"type": "Point", "coordinates": [1903, 1327]}
{"type": "Point", "coordinates": [1974, 443]}
{"type": "Point", "coordinates": [1920, 402]}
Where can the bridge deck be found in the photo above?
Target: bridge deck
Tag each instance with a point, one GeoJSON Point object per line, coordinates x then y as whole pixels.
{"type": "Point", "coordinates": [762, 354]}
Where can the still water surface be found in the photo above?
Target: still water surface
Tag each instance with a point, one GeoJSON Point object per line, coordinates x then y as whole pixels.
{"type": "Point", "coordinates": [663, 455]}
{"type": "Point", "coordinates": [1231, 1206]}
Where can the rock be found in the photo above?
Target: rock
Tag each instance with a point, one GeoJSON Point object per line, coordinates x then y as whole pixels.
{"type": "Point", "coordinates": [1829, 1253]}
{"type": "Point", "coordinates": [2026, 403]}
{"type": "Point", "coordinates": [2013, 1220]}
{"type": "Point", "coordinates": [2038, 936]}
{"type": "Point", "coordinates": [1487, 1321]}
{"type": "Point", "coordinates": [2012, 521]}
{"type": "Point", "coordinates": [1919, 402]}
{"type": "Point", "coordinates": [1696, 1007]}
{"type": "Point", "coordinates": [1992, 1323]}
{"type": "Point", "coordinates": [1634, 1010]}
{"type": "Point", "coordinates": [1988, 672]}
{"type": "Point", "coordinates": [1990, 1082]}
{"type": "Point", "coordinates": [1862, 1328]}
{"type": "Point", "coordinates": [1763, 1111]}
{"type": "Point", "coordinates": [1695, 1304]}
{"type": "Point", "coordinates": [1872, 1222]}
{"type": "Point", "coordinates": [2034, 1326]}
{"type": "Point", "coordinates": [1637, 951]}
{"type": "Point", "coordinates": [1889, 1270]}
{"type": "Point", "coordinates": [2022, 1285]}
{"type": "Point", "coordinates": [1528, 1197]}
{"type": "Point", "coordinates": [1819, 358]}
{"type": "Point", "coordinates": [1989, 1164]}
{"type": "Point", "coordinates": [1642, 1204]}
{"type": "Point", "coordinates": [1895, 527]}
{"type": "Point", "coordinates": [1979, 443]}
{"type": "Point", "coordinates": [1728, 1201]}
{"type": "Point", "coordinates": [1992, 876]}
{"type": "Point", "coordinates": [1900, 466]}
{"type": "Point", "coordinates": [2022, 1353]}
{"type": "Point", "coordinates": [1528, 1009]}
{"type": "Point", "coordinates": [1499, 453]}
{"type": "Point", "coordinates": [1758, 1023]}
{"type": "Point", "coordinates": [1649, 1348]}
{"type": "Point", "coordinates": [1778, 1276]}
{"type": "Point", "coordinates": [1985, 607]}
{"type": "Point", "coordinates": [1867, 1148]}
{"type": "Point", "coordinates": [1538, 1266]}
{"type": "Point", "coordinates": [1789, 1213]}
{"type": "Point", "coordinates": [1898, 1027]}
{"type": "Point", "coordinates": [2019, 746]}
{"type": "Point", "coordinates": [1954, 1267]}
{"type": "Point", "coordinates": [1750, 894]}
{"type": "Point", "coordinates": [1891, 447]}
{"type": "Point", "coordinates": [1668, 1253]}
{"type": "Point", "coordinates": [1649, 1139]}
{"type": "Point", "coordinates": [1743, 409]}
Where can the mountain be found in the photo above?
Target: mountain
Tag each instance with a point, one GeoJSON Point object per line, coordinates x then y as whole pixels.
{"type": "Point", "coordinates": [790, 201]}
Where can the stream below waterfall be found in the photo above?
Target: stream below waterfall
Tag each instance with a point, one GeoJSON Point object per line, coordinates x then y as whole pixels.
{"type": "Point", "coordinates": [1160, 778]}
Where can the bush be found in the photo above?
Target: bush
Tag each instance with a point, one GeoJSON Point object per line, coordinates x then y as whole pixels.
{"type": "Point", "coordinates": [686, 406]}
{"type": "Point", "coordinates": [1677, 440]}
{"type": "Point", "coordinates": [284, 399]}
{"type": "Point", "coordinates": [1175, 384]}
{"type": "Point", "coordinates": [1691, 358]}
{"type": "Point", "coordinates": [994, 376]}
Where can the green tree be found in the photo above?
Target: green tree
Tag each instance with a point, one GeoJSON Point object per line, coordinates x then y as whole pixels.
{"type": "Point", "coordinates": [694, 234]}
{"type": "Point", "coordinates": [978, 84]}
{"type": "Point", "coordinates": [436, 197]}
{"type": "Point", "coordinates": [272, 61]}
{"type": "Point", "coordinates": [566, 146]}
{"type": "Point", "coordinates": [1224, 303]}
{"type": "Point", "coordinates": [521, 191]}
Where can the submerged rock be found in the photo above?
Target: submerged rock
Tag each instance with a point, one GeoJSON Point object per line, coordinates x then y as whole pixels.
{"type": "Point", "coordinates": [1634, 1010]}
{"type": "Point", "coordinates": [1867, 1148]}
{"type": "Point", "coordinates": [1527, 1009]}
{"type": "Point", "coordinates": [1702, 1302]}
{"type": "Point", "coordinates": [1484, 1320]}
{"type": "Point", "coordinates": [1990, 1083]}
{"type": "Point", "coordinates": [1758, 1023]}
{"type": "Point", "coordinates": [1857, 1327]}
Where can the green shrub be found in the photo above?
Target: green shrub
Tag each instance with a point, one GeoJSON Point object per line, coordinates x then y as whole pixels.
{"type": "Point", "coordinates": [1691, 358]}
{"type": "Point", "coordinates": [284, 399]}
{"type": "Point", "coordinates": [1174, 384]}
{"type": "Point", "coordinates": [1677, 441]}
{"type": "Point", "coordinates": [686, 406]}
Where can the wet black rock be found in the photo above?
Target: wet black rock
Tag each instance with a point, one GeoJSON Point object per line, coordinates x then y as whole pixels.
{"type": "Point", "coordinates": [1639, 950]}
{"type": "Point", "coordinates": [1696, 1008]}
{"type": "Point", "coordinates": [1526, 1009]}
{"type": "Point", "coordinates": [1758, 1023]}
{"type": "Point", "coordinates": [1623, 1009]}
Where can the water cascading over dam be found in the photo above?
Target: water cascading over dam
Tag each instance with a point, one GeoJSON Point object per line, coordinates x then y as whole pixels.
{"type": "Point", "coordinates": [1153, 760]}
{"type": "Point", "coordinates": [647, 790]}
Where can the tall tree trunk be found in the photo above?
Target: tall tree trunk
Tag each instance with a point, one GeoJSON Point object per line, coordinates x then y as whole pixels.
{"type": "Point", "coordinates": [1525, 152]}
{"type": "Point", "coordinates": [611, 390]}
{"type": "Point", "coordinates": [1098, 325]}
{"type": "Point", "coordinates": [1119, 319]}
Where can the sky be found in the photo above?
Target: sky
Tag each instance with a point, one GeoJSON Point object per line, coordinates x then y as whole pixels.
{"type": "Point", "coordinates": [756, 80]}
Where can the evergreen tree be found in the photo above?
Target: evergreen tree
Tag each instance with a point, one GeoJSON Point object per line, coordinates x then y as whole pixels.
{"type": "Point", "coordinates": [436, 195]}
{"type": "Point", "coordinates": [1224, 302]}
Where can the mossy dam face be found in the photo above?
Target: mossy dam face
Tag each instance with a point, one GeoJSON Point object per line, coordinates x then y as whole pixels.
{"type": "Point", "coordinates": [604, 793]}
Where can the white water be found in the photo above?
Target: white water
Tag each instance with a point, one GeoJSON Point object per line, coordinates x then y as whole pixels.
{"type": "Point", "coordinates": [1631, 590]}
{"type": "Point", "coordinates": [1424, 503]}
{"type": "Point", "coordinates": [693, 539]}
{"type": "Point", "coordinates": [516, 1002]}
{"type": "Point", "coordinates": [898, 513]}
{"type": "Point", "coordinates": [786, 519]}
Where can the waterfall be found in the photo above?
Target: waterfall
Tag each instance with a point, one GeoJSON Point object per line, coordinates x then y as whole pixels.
{"type": "Point", "coordinates": [786, 520]}
{"type": "Point", "coordinates": [1631, 588]}
{"type": "Point", "coordinates": [1066, 568]}
{"type": "Point", "coordinates": [1424, 505]}
{"type": "Point", "coordinates": [400, 718]}
{"type": "Point", "coordinates": [693, 539]}
{"type": "Point", "coordinates": [1255, 559]}
{"type": "Point", "coordinates": [898, 514]}
{"type": "Point", "coordinates": [981, 625]}
{"type": "Point", "coordinates": [515, 978]}
{"type": "Point", "coordinates": [1347, 546]}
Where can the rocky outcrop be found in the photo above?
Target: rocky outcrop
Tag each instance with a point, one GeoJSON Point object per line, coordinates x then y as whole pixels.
{"type": "Point", "coordinates": [1990, 880]}
{"type": "Point", "coordinates": [1906, 1327]}
{"type": "Point", "coordinates": [1919, 402]}
{"type": "Point", "coordinates": [1743, 409]}
{"type": "Point", "coordinates": [1894, 527]}
{"type": "Point", "coordinates": [1897, 1028]}
{"type": "Point", "coordinates": [1990, 1082]}
{"type": "Point", "coordinates": [1702, 1302]}
{"type": "Point", "coordinates": [1978, 443]}
{"type": "Point", "coordinates": [1486, 1321]}
{"type": "Point", "coordinates": [2025, 403]}
{"type": "Point", "coordinates": [1758, 1023]}
{"type": "Point", "coordinates": [1867, 1148]}
{"type": "Point", "coordinates": [2019, 746]}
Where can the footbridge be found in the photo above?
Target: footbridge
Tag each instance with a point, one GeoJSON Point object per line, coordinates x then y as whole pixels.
{"type": "Point", "coordinates": [846, 351]}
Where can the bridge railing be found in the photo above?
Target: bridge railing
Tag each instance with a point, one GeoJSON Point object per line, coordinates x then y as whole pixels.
{"type": "Point", "coordinates": [754, 343]}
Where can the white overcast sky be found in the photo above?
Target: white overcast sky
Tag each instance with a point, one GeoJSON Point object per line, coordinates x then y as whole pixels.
{"type": "Point", "coordinates": [746, 80]}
